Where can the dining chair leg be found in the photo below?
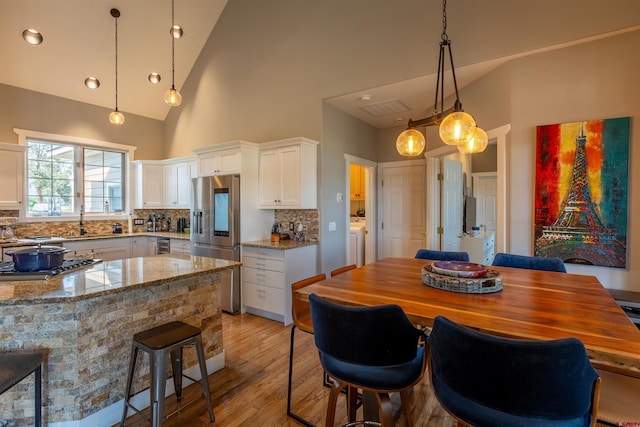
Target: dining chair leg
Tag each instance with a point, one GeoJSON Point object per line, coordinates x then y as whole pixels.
{"type": "Point", "coordinates": [331, 405]}
{"type": "Point", "coordinates": [352, 403]}
{"type": "Point", "coordinates": [290, 413]}
{"type": "Point", "coordinates": [406, 408]}
{"type": "Point", "coordinates": [386, 409]}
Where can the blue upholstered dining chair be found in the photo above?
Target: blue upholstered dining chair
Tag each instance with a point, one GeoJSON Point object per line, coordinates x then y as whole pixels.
{"type": "Point", "coordinates": [485, 380]}
{"type": "Point", "coordinates": [442, 255]}
{"type": "Point", "coordinates": [529, 262]}
{"type": "Point", "coordinates": [375, 349]}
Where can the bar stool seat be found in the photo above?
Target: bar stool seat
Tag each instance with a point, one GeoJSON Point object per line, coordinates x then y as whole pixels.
{"type": "Point", "coordinates": [162, 341]}
{"type": "Point", "coordinates": [14, 367]}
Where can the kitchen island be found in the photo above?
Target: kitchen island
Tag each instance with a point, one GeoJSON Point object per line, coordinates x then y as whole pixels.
{"type": "Point", "coordinates": [83, 323]}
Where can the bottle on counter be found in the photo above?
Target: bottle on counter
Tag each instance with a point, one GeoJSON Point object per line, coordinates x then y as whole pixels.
{"type": "Point", "coordinates": [106, 206]}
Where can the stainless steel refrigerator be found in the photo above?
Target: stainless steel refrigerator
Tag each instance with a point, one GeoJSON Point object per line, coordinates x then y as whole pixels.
{"type": "Point", "coordinates": [215, 229]}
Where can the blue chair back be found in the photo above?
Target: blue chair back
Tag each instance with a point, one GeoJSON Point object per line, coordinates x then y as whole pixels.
{"type": "Point", "coordinates": [442, 255]}
{"type": "Point", "coordinates": [529, 262]}
{"type": "Point", "coordinates": [376, 336]}
{"type": "Point", "coordinates": [487, 380]}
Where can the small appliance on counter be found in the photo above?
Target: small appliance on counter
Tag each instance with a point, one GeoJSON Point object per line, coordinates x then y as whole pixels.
{"type": "Point", "coordinates": [117, 228]}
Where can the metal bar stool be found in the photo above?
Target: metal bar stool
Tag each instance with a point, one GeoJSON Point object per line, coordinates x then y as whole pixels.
{"type": "Point", "coordinates": [14, 367]}
{"type": "Point", "coordinates": [162, 341]}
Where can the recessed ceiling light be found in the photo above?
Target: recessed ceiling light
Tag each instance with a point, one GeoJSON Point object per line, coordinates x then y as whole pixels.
{"type": "Point", "coordinates": [154, 78]}
{"type": "Point", "coordinates": [176, 31]}
{"type": "Point", "coordinates": [32, 36]}
{"type": "Point", "coordinates": [365, 97]}
{"type": "Point", "coordinates": [92, 83]}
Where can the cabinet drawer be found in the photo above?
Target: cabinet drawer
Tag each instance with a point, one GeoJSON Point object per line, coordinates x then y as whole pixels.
{"type": "Point", "coordinates": [263, 263]}
{"type": "Point", "coordinates": [263, 298]}
{"type": "Point", "coordinates": [274, 279]}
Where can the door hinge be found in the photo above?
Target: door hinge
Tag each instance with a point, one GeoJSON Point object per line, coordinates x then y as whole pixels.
{"type": "Point", "coordinates": [382, 225]}
{"type": "Point", "coordinates": [440, 177]}
{"type": "Point", "coordinates": [382, 183]}
{"type": "Point", "coordinates": [440, 230]}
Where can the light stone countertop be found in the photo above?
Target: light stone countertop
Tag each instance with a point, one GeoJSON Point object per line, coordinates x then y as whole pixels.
{"type": "Point", "coordinates": [282, 244]}
{"type": "Point", "coordinates": [53, 239]}
{"type": "Point", "coordinates": [110, 277]}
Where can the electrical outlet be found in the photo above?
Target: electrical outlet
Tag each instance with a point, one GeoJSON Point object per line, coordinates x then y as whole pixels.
{"type": "Point", "coordinates": [291, 226]}
{"type": "Point", "coordinates": [138, 221]}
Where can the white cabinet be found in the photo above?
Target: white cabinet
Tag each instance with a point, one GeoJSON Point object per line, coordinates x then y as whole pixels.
{"type": "Point", "coordinates": [267, 275]}
{"type": "Point", "coordinates": [481, 249]}
{"type": "Point", "coordinates": [180, 246]}
{"type": "Point", "coordinates": [139, 246]}
{"type": "Point", "coordinates": [288, 174]}
{"type": "Point", "coordinates": [11, 176]}
{"type": "Point", "coordinates": [162, 183]}
{"type": "Point", "coordinates": [219, 162]}
{"type": "Point", "coordinates": [104, 249]}
{"type": "Point", "coordinates": [177, 184]}
{"type": "Point", "coordinates": [148, 184]}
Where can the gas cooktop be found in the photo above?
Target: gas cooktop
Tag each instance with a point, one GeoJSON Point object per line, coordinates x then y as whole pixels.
{"type": "Point", "coordinates": [9, 273]}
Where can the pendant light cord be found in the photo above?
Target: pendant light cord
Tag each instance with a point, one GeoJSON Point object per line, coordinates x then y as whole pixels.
{"type": "Point", "coordinates": [116, 14]}
{"type": "Point", "coordinates": [173, 48]}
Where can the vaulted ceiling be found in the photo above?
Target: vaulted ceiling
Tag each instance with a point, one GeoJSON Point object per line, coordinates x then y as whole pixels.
{"type": "Point", "coordinates": [79, 42]}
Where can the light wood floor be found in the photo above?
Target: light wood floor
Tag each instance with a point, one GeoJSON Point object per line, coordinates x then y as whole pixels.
{"type": "Point", "coordinates": [251, 390]}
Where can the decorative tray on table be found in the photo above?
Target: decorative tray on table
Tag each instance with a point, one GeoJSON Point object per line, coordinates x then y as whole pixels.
{"type": "Point", "coordinates": [464, 277]}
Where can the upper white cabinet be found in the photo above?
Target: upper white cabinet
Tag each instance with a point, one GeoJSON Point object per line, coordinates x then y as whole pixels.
{"type": "Point", "coordinates": [148, 184]}
{"type": "Point", "coordinates": [289, 174]}
{"type": "Point", "coordinates": [11, 176]}
{"type": "Point", "coordinates": [162, 183]}
{"type": "Point", "coordinates": [177, 184]}
{"type": "Point", "coordinates": [223, 160]}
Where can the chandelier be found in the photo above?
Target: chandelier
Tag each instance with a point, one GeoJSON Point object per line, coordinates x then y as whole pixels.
{"type": "Point", "coordinates": [456, 126]}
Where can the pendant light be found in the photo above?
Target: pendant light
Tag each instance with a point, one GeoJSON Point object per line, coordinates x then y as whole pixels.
{"type": "Point", "coordinates": [476, 144]}
{"type": "Point", "coordinates": [116, 117]}
{"type": "Point", "coordinates": [172, 97]}
{"type": "Point", "coordinates": [456, 126]}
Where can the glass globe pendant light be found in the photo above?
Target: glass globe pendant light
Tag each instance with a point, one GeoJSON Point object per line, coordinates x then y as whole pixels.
{"type": "Point", "coordinates": [410, 142]}
{"type": "Point", "coordinates": [476, 144]}
{"type": "Point", "coordinates": [116, 117]}
{"type": "Point", "coordinates": [172, 97]}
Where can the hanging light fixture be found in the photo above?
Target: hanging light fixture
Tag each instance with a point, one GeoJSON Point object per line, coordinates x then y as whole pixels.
{"type": "Point", "coordinates": [172, 96]}
{"type": "Point", "coordinates": [116, 117]}
{"type": "Point", "coordinates": [456, 126]}
{"type": "Point", "coordinates": [476, 144]}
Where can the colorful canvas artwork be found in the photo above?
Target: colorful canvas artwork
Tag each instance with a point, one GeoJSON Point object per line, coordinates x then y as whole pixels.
{"type": "Point", "coordinates": [581, 191]}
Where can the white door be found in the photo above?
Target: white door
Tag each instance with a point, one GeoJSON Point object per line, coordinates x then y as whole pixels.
{"type": "Point", "coordinates": [451, 204]}
{"type": "Point", "coordinates": [403, 222]}
{"type": "Point", "coordinates": [485, 190]}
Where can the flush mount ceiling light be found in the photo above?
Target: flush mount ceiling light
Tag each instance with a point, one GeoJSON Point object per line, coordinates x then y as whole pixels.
{"type": "Point", "coordinates": [456, 126]}
{"type": "Point", "coordinates": [92, 83]}
{"type": "Point", "coordinates": [32, 36]}
{"type": "Point", "coordinates": [154, 78]}
{"type": "Point", "coordinates": [172, 97]}
{"type": "Point", "coordinates": [116, 117]}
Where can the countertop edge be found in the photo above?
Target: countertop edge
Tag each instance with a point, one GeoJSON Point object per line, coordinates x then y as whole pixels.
{"type": "Point", "coordinates": [30, 242]}
{"type": "Point", "coordinates": [283, 245]}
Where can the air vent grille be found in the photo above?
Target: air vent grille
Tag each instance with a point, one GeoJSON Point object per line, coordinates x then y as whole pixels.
{"type": "Point", "coordinates": [385, 108]}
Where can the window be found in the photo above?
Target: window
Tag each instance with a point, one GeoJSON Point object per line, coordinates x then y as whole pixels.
{"type": "Point", "coordinates": [64, 178]}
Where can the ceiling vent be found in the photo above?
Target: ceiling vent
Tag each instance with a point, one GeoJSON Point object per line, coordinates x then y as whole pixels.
{"type": "Point", "coordinates": [385, 108]}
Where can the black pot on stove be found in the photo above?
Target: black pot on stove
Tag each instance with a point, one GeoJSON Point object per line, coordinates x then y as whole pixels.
{"type": "Point", "coordinates": [37, 258]}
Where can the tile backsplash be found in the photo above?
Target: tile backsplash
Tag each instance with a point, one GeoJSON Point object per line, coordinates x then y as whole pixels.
{"type": "Point", "coordinates": [309, 218]}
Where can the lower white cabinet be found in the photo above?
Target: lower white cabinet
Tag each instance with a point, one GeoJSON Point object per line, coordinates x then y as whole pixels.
{"type": "Point", "coordinates": [140, 247]}
{"type": "Point", "coordinates": [267, 275]}
{"type": "Point", "coordinates": [481, 249]}
{"type": "Point", "coordinates": [180, 246]}
{"type": "Point", "coordinates": [104, 249]}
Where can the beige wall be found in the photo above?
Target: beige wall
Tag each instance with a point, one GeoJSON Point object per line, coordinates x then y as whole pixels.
{"type": "Point", "coordinates": [596, 80]}
{"type": "Point", "coordinates": [24, 109]}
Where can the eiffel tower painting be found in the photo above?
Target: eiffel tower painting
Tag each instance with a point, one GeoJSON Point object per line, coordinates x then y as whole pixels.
{"type": "Point", "coordinates": [581, 192]}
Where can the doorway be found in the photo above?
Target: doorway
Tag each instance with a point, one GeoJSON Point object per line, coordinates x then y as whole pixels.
{"type": "Point", "coordinates": [360, 210]}
{"type": "Point", "coordinates": [497, 136]}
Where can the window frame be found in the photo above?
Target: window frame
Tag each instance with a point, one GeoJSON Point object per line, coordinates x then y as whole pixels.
{"type": "Point", "coordinates": [127, 150]}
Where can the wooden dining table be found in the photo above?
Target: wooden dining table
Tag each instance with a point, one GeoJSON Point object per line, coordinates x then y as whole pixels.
{"type": "Point", "coordinates": [532, 304]}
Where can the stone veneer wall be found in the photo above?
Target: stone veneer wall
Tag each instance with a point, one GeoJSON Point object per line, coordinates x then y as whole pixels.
{"type": "Point", "coordinates": [309, 218]}
{"type": "Point", "coordinates": [87, 344]}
